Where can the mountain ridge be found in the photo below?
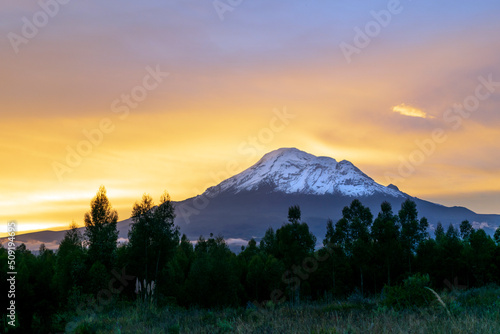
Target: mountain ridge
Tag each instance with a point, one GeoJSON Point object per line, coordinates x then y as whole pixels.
{"type": "Point", "coordinates": [245, 205]}
{"type": "Point", "coordinates": [290, 170]}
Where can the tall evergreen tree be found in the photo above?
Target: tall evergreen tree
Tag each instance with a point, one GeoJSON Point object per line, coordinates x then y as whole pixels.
{"type": "Point", "coordinates": [294, 244]}
{"type": "Point", "coordinates": [334, 245]}
{"type": "Point", "coordinates": [268, 242]}
{"type": "Point", "coordinates": [294, 240]}
{"type": "Point", "coordinates": [213, 278]}
{"type": "Point", "coordinates": [385, 234]}
{"type": "Point", "coordinates": [482, 252]}
{"type": "Point", "coordinates": [496, 236]}
{"type": "Point", "coordinates": [448, 254]}
{"type": "Point", "coordinates": [294, 214]}
{"type": "Point", "coordinates": [153, 237]}
{"type": "Point", "coordinates": [176, 272]}
{"type": "Point", "coordinates": [358, 220]}
{"type": "Point", "coordinates": [70, 269]}
{"type": "Point", "coordinates": [101, 232]}
{"type": "Point", "coordinates": [466, 230]}
{"type": "Point", "coordinates": [439, 232]}
{"type": "Point", "coordinates": [412, 231]}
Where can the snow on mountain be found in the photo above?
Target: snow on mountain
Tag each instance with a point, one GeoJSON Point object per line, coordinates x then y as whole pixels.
{"type": "Point", "coordinates": [291, 171]}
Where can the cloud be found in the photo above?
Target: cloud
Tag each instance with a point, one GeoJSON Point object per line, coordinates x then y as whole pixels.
{"type": "Point", "coordinates": [480, 225]}
{"type": "Point", "coordinates": [406, 110]}
{"type": "Point", "coordinates": [122, 240]}
{"type": "Point", "coordinates": [237, 242]}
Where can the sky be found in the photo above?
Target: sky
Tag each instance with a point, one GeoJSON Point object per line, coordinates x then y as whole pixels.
{"type": "Point", "coordinates": [177, 95]}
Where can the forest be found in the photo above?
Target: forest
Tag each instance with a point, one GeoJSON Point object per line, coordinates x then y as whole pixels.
{"type": "Point", "coordinates": [383, 262]}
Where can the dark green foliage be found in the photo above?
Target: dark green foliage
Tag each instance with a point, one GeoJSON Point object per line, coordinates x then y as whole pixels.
{"type": "Point", "coordinates": [439, 232]}
{"type": "Point", "coordinates": [268, 243]}
{"type": "Point", "coordinates": [352, 235]}
{"type": "Point", "coordinates": [153, 237]}
{"type": "Point", "coordinates": [482, 250]}
{"type": "Point", "coordinates": [213, 279]}
{"type": "Point", "coordinates": [488, 296]}
{"type": "Point", "coordinates": [466, 230]}
{"type": "Point", "coordinates": [263, 276]}
{"type": "Point", "coordinates": [359, 256]}
{"type": "Point", "coordinates": [385, 234]}
{"type": "Point", "coordinates": [412, 231]}
{"type": "Point", "coordinates": [46, 298]}
{"type": "Point", "coordinates": [294, 243]}
{"type": "Point", "coordinates": [101, 232]}
{"type": "Point", "coordinates": [496, 236]}
{"type": "Point", "coordinates": [70, 264]}
{"type": "Point", "coordinates": [294, 214]}
{"type": "Point", "coordinates": [98, 277]}
{"type": "Point", "coordinates": [176, 272]}
{"type": "Point", "coordinates": [412, 293]}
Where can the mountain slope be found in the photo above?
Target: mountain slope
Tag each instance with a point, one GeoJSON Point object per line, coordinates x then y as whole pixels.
{"type": "Point", "coordinates": [245, 205]}
{"type": "Point", "coordinates": [291, 171]}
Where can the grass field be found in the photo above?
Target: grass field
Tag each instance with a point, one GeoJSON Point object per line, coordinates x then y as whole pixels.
{"type": "Point", "coordinates": [472, 311]}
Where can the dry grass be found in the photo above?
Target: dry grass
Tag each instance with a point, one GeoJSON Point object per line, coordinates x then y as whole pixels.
{"type": "Point", "coordinates": [472, 311]}
{"type": "Point", "coordinates": [296, 319]}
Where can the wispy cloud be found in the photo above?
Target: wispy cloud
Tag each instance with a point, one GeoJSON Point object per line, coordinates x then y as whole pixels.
{"type": "Point", "coordinates": [406, 110]}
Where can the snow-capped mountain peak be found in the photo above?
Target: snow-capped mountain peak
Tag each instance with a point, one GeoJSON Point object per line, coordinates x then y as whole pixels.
{"type": "Point", "coordinates": [291, 171]}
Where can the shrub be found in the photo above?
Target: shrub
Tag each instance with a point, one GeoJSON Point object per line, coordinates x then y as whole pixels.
{"type": "Point", "coordinates": [484, 296]}
{"type": "Point", "coordinates": [174, 329]}
{"type": "Point", "coordinates": [224, 326]}
{"type": "Point", "coordinates": [412, 293]}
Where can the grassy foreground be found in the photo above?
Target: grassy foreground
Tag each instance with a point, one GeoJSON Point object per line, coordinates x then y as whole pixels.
{"type": "Point", "coordinates": [473, 311]}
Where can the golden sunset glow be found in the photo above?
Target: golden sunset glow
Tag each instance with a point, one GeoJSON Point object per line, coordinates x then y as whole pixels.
{"type": "Point", "coordinates": [410, 111]}
{"type": "Point", "coordinates": [88, 101]}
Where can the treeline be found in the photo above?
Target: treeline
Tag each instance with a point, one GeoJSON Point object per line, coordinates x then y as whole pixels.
{"type": "Point", "coordinates": [361, 253]}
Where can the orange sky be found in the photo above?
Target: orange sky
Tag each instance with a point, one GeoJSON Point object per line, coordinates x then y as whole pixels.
{"type": "Point", "coordinates": [226, 81]}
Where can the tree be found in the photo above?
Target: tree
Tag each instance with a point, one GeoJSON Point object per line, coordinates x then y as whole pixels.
{"type": "Point", "coordinates": [358, 220]}
{"type": "Point", "coordinates": [412, 231]}
{"type": "Point", "coordinates": [352, 235]}
{"type": "Point", "coordinates": [385, 235]}
{"type": "Point", "coordinates": [334, 245]}
{"type": "Point", "coordinates": [254, 279]}
{"type": "Point", "coordinates": [466, 230]}
{"type": "Point", "coordinates": [153, 237]}
{"type": "Point", "coordinates": [496, 236]}
{"type": "Point", "coordinates": [294, 214]}
{"type": "Point", "coordinates": [250, 251]}
{"type": "Point", "coordinates": [263, 276]}
{"type": "Point", "coordinates": [176, 272]}
{"type": "Point", "coordinates": [101, 232]}
{"type": "Point", "coordinates": [448, 257]}
{"type": "Point", "coordinates": [268, 243]}
{"type": "Point", "coordinates": [26, 267]}
{"type": "Point", "coordinates": [70, 269]}
{"type": "Point", "coordinates": [483, 248]}
{"type": "Point", "coordinates": [294, 244]}
{"type": "Point", "coordinates": [46, 297]}
{"type": "Point", "coordinates": [213, 278]}
{"type": "Point", "coordinates": [439, 232]}
{"type": "Point", "coordinates": [294, 240]}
